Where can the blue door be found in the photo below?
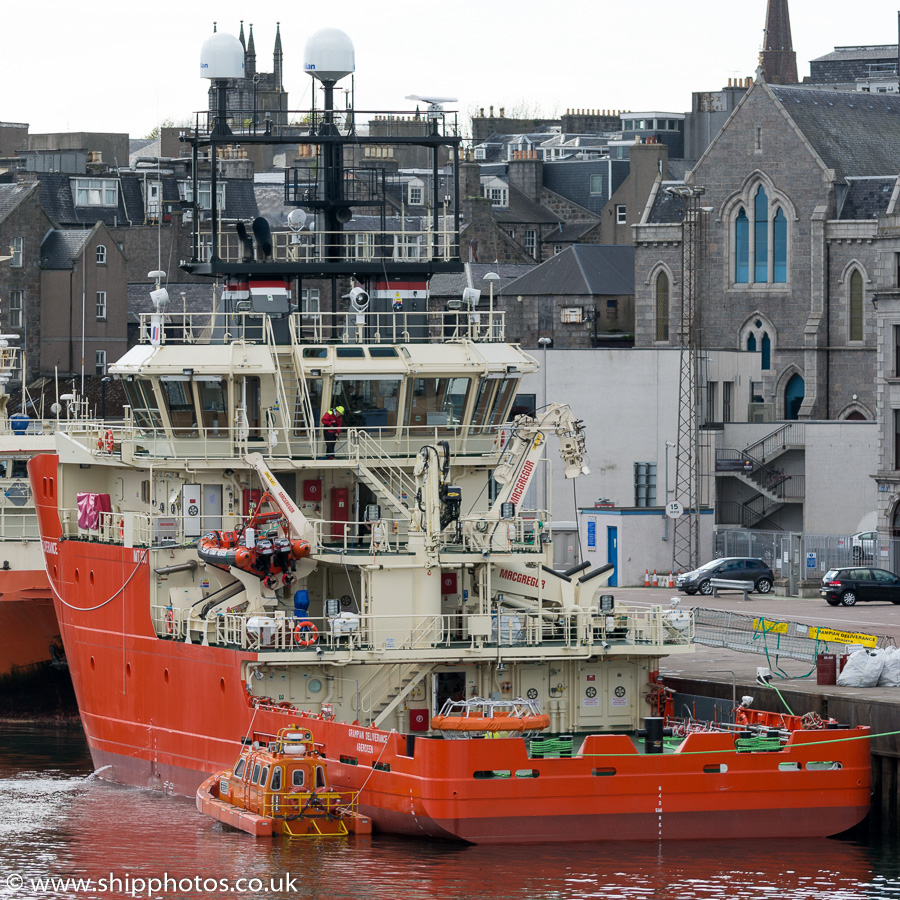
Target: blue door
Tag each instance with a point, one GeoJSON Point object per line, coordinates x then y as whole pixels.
{"type": "Point", "coordinates": [793, 396]}
{"type": "Point", "coordinates": [612, 552]}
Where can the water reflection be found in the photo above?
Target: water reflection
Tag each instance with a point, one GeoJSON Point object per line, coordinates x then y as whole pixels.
{"type": "Point", "coordinates": [55, 821]}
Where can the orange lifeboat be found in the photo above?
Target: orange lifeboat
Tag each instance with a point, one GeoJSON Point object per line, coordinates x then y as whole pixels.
{"type": "Point", "coordinates": [478, 717]}
{"type": "Point", "coordinates": [271, 559]}
{"type": "Point", "coordinates": [279, 785]}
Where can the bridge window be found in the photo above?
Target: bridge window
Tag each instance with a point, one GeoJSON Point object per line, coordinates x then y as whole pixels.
{"type": "Point", "coordinates": [142, 401]}
{"type": "Point", "coordinates": [437, 402]}
{"type": "Point", "coordinates": [368, 402]}
{"type": "Point", "coordinates": [179, 399]}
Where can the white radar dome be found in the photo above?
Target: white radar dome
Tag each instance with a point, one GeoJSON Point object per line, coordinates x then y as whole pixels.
{"type": "Point", "coordinates": [329, 55]}
{"type": "Point", "coordinates": [222, 56]}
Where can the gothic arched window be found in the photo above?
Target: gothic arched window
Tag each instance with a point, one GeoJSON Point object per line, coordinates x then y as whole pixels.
{"type": "Point", "coordinates": [856, 306]}
{"type": "Point", "coordinates": [662, 307]}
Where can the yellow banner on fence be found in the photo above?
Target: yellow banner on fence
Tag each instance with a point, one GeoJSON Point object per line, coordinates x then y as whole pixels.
{"type": "Point", "coordinates": [843, 637]}
{"type": "Point", "coordinates": [770, 627]}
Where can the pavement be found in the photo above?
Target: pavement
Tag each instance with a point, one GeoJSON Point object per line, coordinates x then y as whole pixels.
{"type": "Point", "coordinates": [737, 669]}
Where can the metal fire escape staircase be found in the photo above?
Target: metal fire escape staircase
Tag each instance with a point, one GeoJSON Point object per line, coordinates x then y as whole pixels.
{"type": "Point", "coordinates": [773, 489]}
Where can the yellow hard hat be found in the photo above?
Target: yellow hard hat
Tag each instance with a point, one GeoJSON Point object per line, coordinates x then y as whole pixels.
{"type": "Point", "coordinates": [340, 409]}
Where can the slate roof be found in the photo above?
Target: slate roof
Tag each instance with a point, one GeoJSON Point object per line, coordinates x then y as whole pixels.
{"type": "Point", "coordinates": [678, 168]}
{"type": "Point", "coordinates": [667, 209]}
{"type": "Point", "coordinates": [451, 284]}
{"type": "Point", "coordinates": [11, 195]}
{"type": "Point", "coordinates": [572, 179]}
{"type": "Point", "coordinates": [581, 270]}
{"type": "Point", "coordinates": [856, 133]}
{"type": "Point", "coordinates": [523, 211]}
{"type": "Point", "coordinates": [882, 51]}
{"type": "Point", "coordinates": [197, 297]}
{"type": "Point", "coordinates": [60, 247]}
{"type": "Point", "coordinates": [867, 198]}
{"type": "Point", "coordinates": [59, 204]}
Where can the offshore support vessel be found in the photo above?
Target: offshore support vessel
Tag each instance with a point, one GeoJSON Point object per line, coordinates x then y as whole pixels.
{"type": "Point", "coordinates": [29, 633]}
{"type": "Point", "coordinates": [398, 600]}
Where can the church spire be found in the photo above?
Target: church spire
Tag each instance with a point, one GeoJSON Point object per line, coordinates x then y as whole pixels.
{"type": "Point", "coordinates": [241, 37]}
{"type": "Point", "coordinates": [777, 58]}
{"type": "Point", "coordinates": [277, 66]}
{"type": "Point", "coordinates": [250, 57]}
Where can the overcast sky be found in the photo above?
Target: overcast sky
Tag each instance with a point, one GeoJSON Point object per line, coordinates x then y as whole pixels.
{"type": "Point", "coordinates": [124, 66]}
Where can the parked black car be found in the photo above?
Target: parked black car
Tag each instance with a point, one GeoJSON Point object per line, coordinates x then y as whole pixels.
{"type": "Point", "coordinates": [855, 583]}
{"type": "Point", "coordinates": [733, 568]}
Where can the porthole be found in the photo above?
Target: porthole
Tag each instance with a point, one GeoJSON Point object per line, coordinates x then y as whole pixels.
{"type": "Point", "coordinates": [315, 685]}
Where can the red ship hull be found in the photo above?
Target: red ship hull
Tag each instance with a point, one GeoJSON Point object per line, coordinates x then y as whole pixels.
{"type": "Point", "coordinates": [164, 715]}
{"type": "Point", "coordinates": [28, 624]}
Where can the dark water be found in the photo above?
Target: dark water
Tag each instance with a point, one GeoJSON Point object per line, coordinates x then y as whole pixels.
{"type": "Point", "coordinates": [58, 822]}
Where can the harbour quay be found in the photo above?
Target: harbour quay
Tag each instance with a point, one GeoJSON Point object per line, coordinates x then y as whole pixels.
{"type": "Point", "coordinates": [726, 674]}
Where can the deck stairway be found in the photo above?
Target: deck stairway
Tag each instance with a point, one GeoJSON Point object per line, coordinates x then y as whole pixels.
{"type": "Point", "coordinates": [380, 472]}
{"type": "Point", "coordinates": [390, 688]}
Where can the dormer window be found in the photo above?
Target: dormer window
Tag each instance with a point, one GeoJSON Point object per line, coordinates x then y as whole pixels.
{"type": "Point", "coordinates": [96, 192]}
{"type": "Point", "coordinates": [415, 193]}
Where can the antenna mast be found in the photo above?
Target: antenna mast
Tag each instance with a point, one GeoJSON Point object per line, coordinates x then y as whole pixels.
{"type": "Point", "coordinates": [686, 531]}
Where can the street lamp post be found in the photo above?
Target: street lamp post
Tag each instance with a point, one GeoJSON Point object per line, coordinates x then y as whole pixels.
{"type": "Point", "coordinates": [666, 498]}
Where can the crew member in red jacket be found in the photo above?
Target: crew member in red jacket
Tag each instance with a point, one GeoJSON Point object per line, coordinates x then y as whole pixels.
{"type": "Point", "coordinates": [332, 422]}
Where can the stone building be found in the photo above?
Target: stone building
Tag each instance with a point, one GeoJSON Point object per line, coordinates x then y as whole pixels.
{"type": "Point", "coordinates": [23, 224]}
{"type": "Point", "coordinates": [795, 243]}
{"type": "Point", "coordinates": [83, 301]}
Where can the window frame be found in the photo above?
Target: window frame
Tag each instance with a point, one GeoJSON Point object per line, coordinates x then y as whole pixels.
{"type": "Point", "coordinates": [17, 249]}
{"type": "Point", "coordinates": [662, 305]}
{"type": "Point", "coordinates": [107, 190]}
{"type": "Point", "coordinates": [856, 327]}
{"type": "Point", "coordinates": [530, 242]}
{"type": "Point", "coordinates": [760, 249]}
{"type": "Point", "coordinates": [16, 310]}
{"type": "Point", "coordinates": [101, 254]}
{"type": "Point", "coordinates": [101, 306]}
{"type": "Point", "coordinates": [621, 214]}
{"type": "Point", "coordinates": [100, 363]}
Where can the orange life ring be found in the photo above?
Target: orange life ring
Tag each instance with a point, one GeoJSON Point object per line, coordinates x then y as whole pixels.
{"type": "Point", "coordinates": [305, 633]}
{"type": "Point", "coordinates": [108, 441]}
{"type": "Point", "coordinates": [170, 621]}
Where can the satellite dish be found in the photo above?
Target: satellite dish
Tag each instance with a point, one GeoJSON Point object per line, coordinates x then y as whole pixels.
{"type": "Point", "coordinates": [329, 55]}
{"type": "Point", "coordinates": [296, 219]}
{"type": "Point", "coordinates": [55, 408]}
{"type": "Point", "coordinates": [222, 56]}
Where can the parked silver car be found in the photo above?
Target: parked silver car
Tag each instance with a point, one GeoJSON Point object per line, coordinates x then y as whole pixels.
{"type": "Point", "coordinates": [733, 568]}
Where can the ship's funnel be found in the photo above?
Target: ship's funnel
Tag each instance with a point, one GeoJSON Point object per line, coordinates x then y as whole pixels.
{"type": "Point", "coordinates": [246, 243]}
{"type": "Point", "coordinates": [263, 234]}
